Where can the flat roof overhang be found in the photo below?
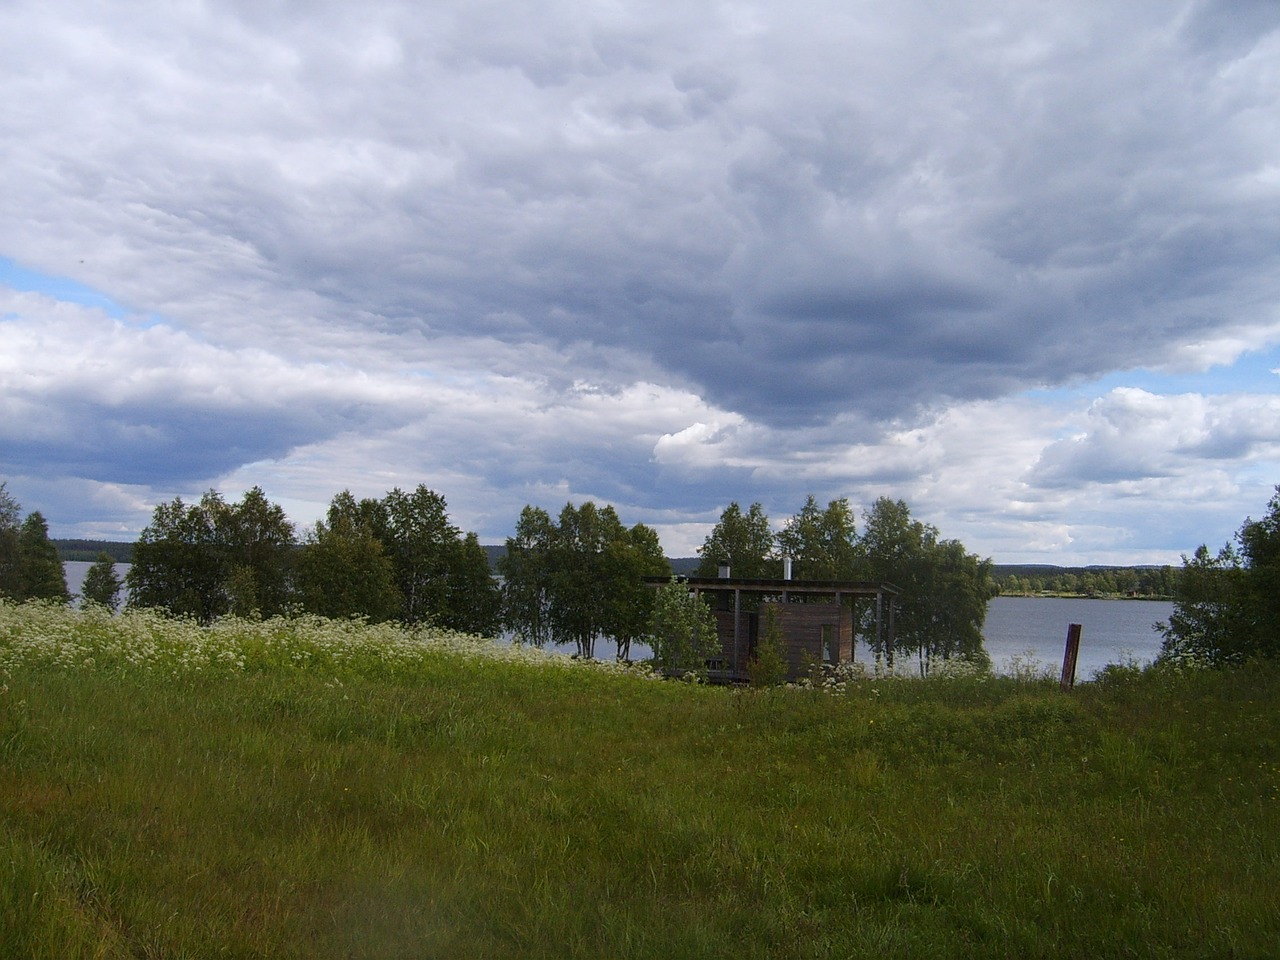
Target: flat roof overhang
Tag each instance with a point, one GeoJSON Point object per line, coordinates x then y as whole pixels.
{"type": "Point", "coordinates": [770, 585]}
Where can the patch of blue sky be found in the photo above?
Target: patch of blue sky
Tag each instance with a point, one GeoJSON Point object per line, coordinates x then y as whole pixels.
{"type": "Point", "coordinates": [1252, 372]}
{"type": "Point", "coordinates": [18, 277]}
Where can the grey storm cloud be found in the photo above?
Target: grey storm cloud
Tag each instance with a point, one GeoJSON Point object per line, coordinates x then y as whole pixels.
{"type": "Point", "coordinates": [839, 214]}
{"type": "Point", "coordinates": [875, 214]}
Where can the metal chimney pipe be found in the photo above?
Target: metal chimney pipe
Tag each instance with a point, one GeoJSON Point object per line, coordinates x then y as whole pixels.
{"type": "Point", "coordinates": [724, 571]}
{"type": "Point", "coordinates": [786, 567]}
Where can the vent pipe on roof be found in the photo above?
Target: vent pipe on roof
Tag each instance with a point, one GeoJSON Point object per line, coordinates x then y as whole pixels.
{"type": "Point", "coordinates": [786, 567]}
{"type": "Point", "coordinates": [724, 571]}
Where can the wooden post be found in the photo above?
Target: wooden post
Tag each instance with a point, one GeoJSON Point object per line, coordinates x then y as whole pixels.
{"type": "Point", "coordinates": [1069, 656]}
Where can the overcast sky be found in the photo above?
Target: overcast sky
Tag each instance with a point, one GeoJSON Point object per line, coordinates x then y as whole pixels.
{"type": "Point", "coordinates": [1016, 263]}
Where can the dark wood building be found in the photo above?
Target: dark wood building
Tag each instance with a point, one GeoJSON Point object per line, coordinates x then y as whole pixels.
{"type": "Point", "coordinates": [814, 617]}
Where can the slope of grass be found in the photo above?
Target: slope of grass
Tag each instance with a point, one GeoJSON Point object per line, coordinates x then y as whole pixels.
{"type": "Point", "coordinates": [309, 789]}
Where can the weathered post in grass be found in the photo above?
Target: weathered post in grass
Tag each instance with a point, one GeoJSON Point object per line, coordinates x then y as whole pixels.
{"type": "Point", "coordinates": [1069, 656]}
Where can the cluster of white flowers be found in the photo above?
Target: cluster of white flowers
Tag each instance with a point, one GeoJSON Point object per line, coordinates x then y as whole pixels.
{"type": "Point", "coordinates": [833, 677]}
{"type": "Point", "coordinates": [837, 678]}
{"type": "Point", "coordinates": [56, 635]}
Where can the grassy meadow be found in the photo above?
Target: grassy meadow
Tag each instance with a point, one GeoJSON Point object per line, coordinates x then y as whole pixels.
{"type": "Point", "coordinates": [314, 789]}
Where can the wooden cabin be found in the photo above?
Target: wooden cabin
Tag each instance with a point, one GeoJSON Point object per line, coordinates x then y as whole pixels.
{"type": "Point", "coordinates": [814, 617]}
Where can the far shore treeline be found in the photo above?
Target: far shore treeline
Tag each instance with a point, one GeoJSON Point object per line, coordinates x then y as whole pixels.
{"type": "Point", "coordinates": [578, 578]}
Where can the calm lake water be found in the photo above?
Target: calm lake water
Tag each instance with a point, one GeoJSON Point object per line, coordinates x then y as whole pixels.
{"type": "Point", "coordinates": [1113, 631]}
{"type": "Point", "coordinates": [76, 570]}
{"type": "Point", "coordinates": [1032, 630]}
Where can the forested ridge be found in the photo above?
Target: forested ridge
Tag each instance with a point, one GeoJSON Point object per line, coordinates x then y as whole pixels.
{"type": "Point", "coordinates": [88, 550]}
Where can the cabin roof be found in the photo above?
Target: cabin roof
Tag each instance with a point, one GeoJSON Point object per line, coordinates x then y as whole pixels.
{"type": "Point", "coordinates": [771, 585]}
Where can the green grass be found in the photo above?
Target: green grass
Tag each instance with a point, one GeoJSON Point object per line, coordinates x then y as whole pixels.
{"type": "Point", "coordinates": [321, 790]}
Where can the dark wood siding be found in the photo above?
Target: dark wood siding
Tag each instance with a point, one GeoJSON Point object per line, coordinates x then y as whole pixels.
{"type": "Point", "coordinates": [801, 625]}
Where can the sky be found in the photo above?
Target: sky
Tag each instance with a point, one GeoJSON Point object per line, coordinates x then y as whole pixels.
{"type": "Point", "coordinates": [1014, 262]}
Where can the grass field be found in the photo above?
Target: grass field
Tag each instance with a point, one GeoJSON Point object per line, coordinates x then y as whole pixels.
{"type": "Point", "coordinates": [313, 790]}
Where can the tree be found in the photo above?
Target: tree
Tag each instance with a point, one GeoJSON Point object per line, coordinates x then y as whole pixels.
{"type": "Point", "coordinates": [10, 525]}
{"type": "Point", "coordinates": [177, 566]}
{"type": "Point", "coordinates": [1227, 606]}
{"type": "Point", "coordinates": [943, 603]}
{"type": "Point", "coordinates": [682, 631]}
{"type": "Point", "coordinates": [627, 560]}
{"type": "Point", "coordinates": [743, 541]}
{"type": "Point", "coordinates": [823, 544]}
{"type": "Point", "coordinates": [213, 558]}
{"type": "Point", "coordinates": [579, 578]}
{"type": "Point", "coordinates": [473, 601]}
{"type": "Point", "coordinates": [344, 570]}
{"type": "Point", "coordinates": [257, 544]}
{"type": "Point", "coordinates": [526, 574]}
{"type": "Point", "coordinates": [421, 543]}
{"type": "Point", "coordinates": [580, 586]}
{"type": "Point", "coordinates": [1260, 547]}
{"type": "Point", "coordinates": [956, 588]}
{"type": "Point", "coordinates": [892, 549]}
{"type": "Point", "coordinates": [101, 584]}
{"type": "Point", "coordinates": [40, 574]}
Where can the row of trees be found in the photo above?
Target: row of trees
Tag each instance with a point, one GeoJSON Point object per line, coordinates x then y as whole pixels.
{"type": "Point", "coordinates": [397, 557]}
{"type": "Point", "coordinates": [943, 604]}
{"type": "Point", "coordinates": [29, 564]}
{"type": "Point", "coordinates": [580, 578]}
{"type": "Point", "coordinates": [1227, 606]}
{"type": "Point", "coordinates": [574, 579]}
{"type": "Point", "coordinates": [1115, 581]}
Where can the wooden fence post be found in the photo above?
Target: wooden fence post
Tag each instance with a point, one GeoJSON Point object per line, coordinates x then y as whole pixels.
{"type": "Point", "coordinates": [1069, 657]}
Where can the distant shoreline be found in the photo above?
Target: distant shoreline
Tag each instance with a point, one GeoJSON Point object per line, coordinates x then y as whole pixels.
{"type": "Point", "coordinates": [1047, 595]}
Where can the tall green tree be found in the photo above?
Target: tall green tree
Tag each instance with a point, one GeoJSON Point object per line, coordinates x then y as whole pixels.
{"type": "Point", "coordinates": [258, 547]}
{"type": "Point", "coordinates": [421, 543]}
{"type": "Point", "coordinates": [343, 570]}
{"type": "Point", "coordinates": [177, 564]}
{"type": "Point", "coordinates": [40, 573]}
{"type": "Point", "coordinates": [473, 600]}
{"type": "Point", "coordinates": [743, 541]}
{"type": "Point", "coordinates": [822, 543]}
{"type": "Point", "coordinates": [1227, 606]}
{"type": "Point", "coordinates": [578, 579]}
{"type": "Point", "coordinates": [1260, 547]}
{"type": "Point", "coordinates": [10, 525]}
{"type": "Point", "coordinates": [101, 583]}
{"type": "Point", "coordinates": [579, 584]}
{"type": "Point", "coordinates": [439, 576]}
{"type": "Point", "coordinates": [628, 559]}
{"type": "Point", "coordinates": [212, 558]}
{"type": "Point", "coordinates": [956, 589]}
{"type": "Point", "coordinates": [526, 574]}
{"type": "Point", "coordinates": [945, 590]}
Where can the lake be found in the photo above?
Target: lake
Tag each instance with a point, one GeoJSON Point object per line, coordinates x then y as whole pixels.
{"type": "Point", "coordinates": [76, 570]}
{"type": "Point", "coordinates": [1113, 631]}
{"type": "Point", "coordinates": [1033, 630]}
{"type": "Point", "coordinates": [1030, 629]}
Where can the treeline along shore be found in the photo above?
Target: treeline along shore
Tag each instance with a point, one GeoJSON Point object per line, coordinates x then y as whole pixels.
{"type": "Point", "coordinates": [1146, 582]}
{"type": "Point", "coordinates": [580, 577]}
